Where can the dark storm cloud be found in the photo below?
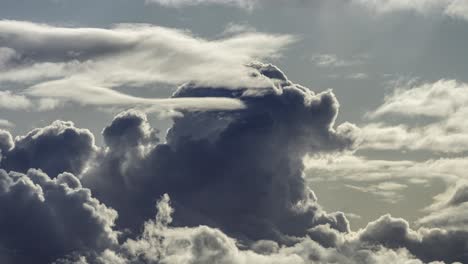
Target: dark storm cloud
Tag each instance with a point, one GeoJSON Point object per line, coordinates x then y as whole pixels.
{"type": "Point", "coordinates": [57, 148]}
{"type": "Point", "coordinates": [426, 244]}
{"type": "Point", "coordinates": [240, 171]}
{"type": "Point", "coordinates": [43, 219]}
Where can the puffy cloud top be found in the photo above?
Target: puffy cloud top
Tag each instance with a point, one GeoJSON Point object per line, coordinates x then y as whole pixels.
{"type": "Point", "coordinates": [60, 147]}
{"type": "Point", "coordinates": [49, 218]}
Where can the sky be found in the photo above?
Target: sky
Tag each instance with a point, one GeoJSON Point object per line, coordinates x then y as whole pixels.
{"type": "Point", "coordinates": [233, 131]}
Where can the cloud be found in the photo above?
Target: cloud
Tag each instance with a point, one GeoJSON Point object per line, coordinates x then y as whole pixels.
{"type": "Point", "coordinates": [162, 243]}
{"type": "Point", "coordinates": [6, 124]}
{"type": "Point", "coordinates": [54, 149]}
{"type": "Point", "coordinates": [358, 76]}
{"type": "Point", "coordinates": [49, 59]}
{"type": "Point", "coordinates": [6, 142]}
{"type": "Point", "coordinates": [362, 169]}
{"type": "Point", "coordinates": [449, 209]}
{"type": "Point", "coordinates": [235, 178]}
{"type": "Point", "coordinates": [452, 8]}
{"type": "Point", "coordinates": [440, 99]}
{"type": "Point", "coordinates": [11, 101]}
{"type": "Point", "coordinates": [426, 244]}
{"type": "Point", "coordinates": [440, 108]}
{"type": "Point", "coordinates": [387, 191]}
{"type": "Point", "coordinates": [84, 92]}
{"type": "Point", "coordinates": [247, 4]}
{"type": "Point", "coordinates": [210, 158]}
{"type": "Point", "coordinates": [333, 61]}
{"type": "Point", "coordinates": [49, 218]}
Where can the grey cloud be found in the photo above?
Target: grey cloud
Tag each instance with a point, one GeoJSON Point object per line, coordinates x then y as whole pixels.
{"type": "Point", "coordinates": [48, 218]}
{"type": "Point", "coordinates": [427, 244]}
{"type": "Point", "coordinates": [213, 162]}
{"type": "Point", "coordinates": [162, 243]}
{"type": "Point", "coordinates": [54, 149]}
{"type": "Point", "coordinates": [235, 178]}
{"type": "Point", "coordinates": [6, 143]}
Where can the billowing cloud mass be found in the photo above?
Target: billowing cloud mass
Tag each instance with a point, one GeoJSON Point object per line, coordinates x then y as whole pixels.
{"type": "Point", "coordinates": [230, 186]}
{"type": "Point", "coordinates": [160, 243]}
{"type": "Point", "coordinates": [44, 219]}
{"type": "Point", "coordinates": [210, 158]}
{"type": "Point", "coordinates": [57, 148]}
{"type": "Point", "coordinates": [49, 63]}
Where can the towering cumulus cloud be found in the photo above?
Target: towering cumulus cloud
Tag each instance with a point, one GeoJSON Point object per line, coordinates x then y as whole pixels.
{"type": "Point", "coordinates": [240, 171]}
{"type": "Point", "coordinates": [228, 187]}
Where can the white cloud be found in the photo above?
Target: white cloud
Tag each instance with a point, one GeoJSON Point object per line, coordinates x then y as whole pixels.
{"type": "Point", "coordinates": [5, 123]}
{"type": "Point", "coordinates": [449, 208]}
{"type": "Point", "coordinates": [11, 101]}
{"type": "Point", "coordinates": [333, 61]}
{"type": "Point", "coordinates": [387, 191]}
{"type": "Point", "coordinates": [248, 4]}
{"type": "Point", "coordinates": [358, 168]}
{"type": "Point", "coordinates": [443, 107]}
{"type": "Point", "coordinates": [85, 92]}
{"type": "Point", "coordinates": [453, 8]}
{"type": "Point", "coordinates": [358, 76]}
{"type": "Point", "coordinates": [136, 55]}
{"type": "Point", "coordinates": [439, 99]}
